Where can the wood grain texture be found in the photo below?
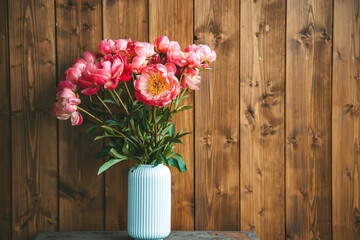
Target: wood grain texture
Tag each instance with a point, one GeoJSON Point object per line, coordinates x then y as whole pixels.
{"type": "Point", "coordinates": [119, 21]}
{"type": "Point", "coordinates": [175, 235]}
{"type": "Point", "coordinates": [217, 204]}
{"type": "Point", "coordinates": [81, 192]}
{"type": "Point", "coordinates": [262, 89]}
{"type": "Point", "coordinates": [175, 20]}
{"type": "Point", "coordinates": [34, 152]}
{"type": "Point", "coordinates": [346, 121]}
{"type": "Point", "coordinates": [5, 136]}
{"type": "Point", "coordinates": [308, 119]}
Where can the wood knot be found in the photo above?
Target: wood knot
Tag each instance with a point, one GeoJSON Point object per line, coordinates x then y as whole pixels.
{"type": "Point", "coordinates": [251, 226]}
{"type": "Point", "coordinates": [51, 220]}
{"type": "Point", "coordinates": [267, 130]}
{"type": "Point", "coordinates": [259, 172]}
{"type": "Point", "coordinates": [218, 190]}
{"type": "Point", "coordinates": [87, 5]}
{"type": "Point", "coordinates": [348, 173]}
{"type": "Point", "coordinates": [305, 36]}
{"type": "Point", "coordinates": [356, 214]}
{"type": "Point", "coordinates": [36, 197]}
{"type": "Point", "coordinates": [261, 212]}
{"type": "Point", "coordinates": [206, 140]}
{"type": "Point", "coordinates": [86, 27]}
{"type": "Point", "coordinates": [353, 109]}
{"type": "Point", "coordinates": [323, 36]}
{"type": "Point", "coordinates": [268, 100]}
{"type": "Point", "coordinates": [230, 140]}
{"type": "Point", "coordinates": [74, 32]}
{"type": "Point", "coordinates": [71, 4]}
{"type": "Point", "coordinates": [357, 78]}
{"type": "Point", "coordinates": [292, 141]}
{"type": "Point", "coordinates": [313, 138]}
{"type": "Point", "coordinates": [303, 193]}
{"type": "Point", "coordinates": [248, 189]}
{"type": "Point", "coordinates": [249, 115]}
{"type": "Point", "coordinates": [23, 221]}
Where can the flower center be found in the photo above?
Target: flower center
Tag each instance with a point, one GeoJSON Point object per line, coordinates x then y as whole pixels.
{"type": "Point", "coordinates": [156, 84]}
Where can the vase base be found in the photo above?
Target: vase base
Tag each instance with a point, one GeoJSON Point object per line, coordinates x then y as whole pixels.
{"type": "Point", "coordinates": [149, 239]}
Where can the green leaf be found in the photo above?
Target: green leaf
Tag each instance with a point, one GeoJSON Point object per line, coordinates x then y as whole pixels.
{"type": "Point", "coordinates": [182, 165]}
{"type": "Point", "coordinates": [172, 139]}
{"type": "Point", "coordinates": [90, 130]}
{"type": "Point", "coordinates": [166, 130]}
{"type": "Point", "coordinates": [183, 134]}
{"type": "Point", "coordinates": [115, 154]}
{"type": "Point", "coordinates": [172, 130]}
{"type": "Point", "coordinates": [183, 108]}
{"type": "Point", "coordinates": [108, 164]}
{"type": "Point", "coordinates": [108, 129]}
{"type": "Point", "coordinates": [102, 153]}
{"type": "Point", "coordinates": [109, 101]}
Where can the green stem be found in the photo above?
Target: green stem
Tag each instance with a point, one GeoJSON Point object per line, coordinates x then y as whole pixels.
{"type": "Point", "coordinates": [122, 103]}
{"type": "Point", "coordinates": [127, 89]}
{"type": "Point", "coordinates": [155, 125]}
{"type": "Point", "coordinates": [83, 110]}
{"type": "Point", "coordinates": [103, 103]}
{"type": "Point", "coordinates": [127, 112]}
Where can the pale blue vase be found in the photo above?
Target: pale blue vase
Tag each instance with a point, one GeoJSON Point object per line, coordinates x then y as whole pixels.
{"type": "Point", "coordinates": [149, 202]}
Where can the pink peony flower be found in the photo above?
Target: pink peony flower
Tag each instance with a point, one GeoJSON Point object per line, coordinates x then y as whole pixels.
{"type": "Point", "coordinates": [191, 78]}
{"type": "Point", "coordinates": [206, 55]}
{"type": "Point", "coordinates": [73, 73]}
{"type": "Point", "coordinates": [161, 44]}
{"type": "Point", "coordinates": [94, 76]}
{"type": "Point", "coordinates": [121, 45]}
{"type": "Point", "coordinates": [157, 85]}
{"type": "Point", "coordinates": [193, 59]}
{"type": "Point", "coordinates": [178, 58]}
{"type": "Point", "coordinates": [117, 67]}
{"type": "Point", "coordinates": [66, 106]}
{"type": "Point", "coordinates": [107, 46]}
{"type": "Point", "coordinates": [137, 55]}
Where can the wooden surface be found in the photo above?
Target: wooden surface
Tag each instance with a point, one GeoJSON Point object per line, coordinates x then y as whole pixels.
{"type": "Point", "coordinates": [346, 121]}
{"type": "Point", "coordinates": [174, 19]}
{"type": "Point", "coordinates": [276, 128]}
{"type": "Point", "coordinates": [308, 119]}
{"type": "Point", "coordinates": [217, 204]}
{"type": "Point", "coordinates": [262, 90]}
{"type": "Point", "coordinates": [81, 193]}
{"type": "Point", "coordinates": [176, 235]}
{"type": "Point", "coordinates": [134, 26]}
{"type": "Point", "coordinates": [33, 128]}
{"type": "Point", "coordinates": [5, 136]}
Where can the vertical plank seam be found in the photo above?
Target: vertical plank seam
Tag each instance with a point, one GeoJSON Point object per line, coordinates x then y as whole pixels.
{"type": "Point", "coordinates": [10, 116]}
{"type": "Point", "coordinates": [331, 116]}
{"type": "Point", "coordinates": [103, 142]}
{"type": "Point", "coordinates": [57, 126]}
{"type": "Point", "coordinates": [239, 130]}
{"type": "Point", "coordinates": [285, 78]}
{"type": "Point", "coordinates": [194, 139]}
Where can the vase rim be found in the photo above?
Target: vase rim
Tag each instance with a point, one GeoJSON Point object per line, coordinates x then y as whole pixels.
{"type": "Point", "coordinates": [148, 165]}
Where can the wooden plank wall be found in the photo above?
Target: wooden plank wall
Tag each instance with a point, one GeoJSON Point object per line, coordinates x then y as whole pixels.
{"type": "Point", "coordinates": [275, 147]}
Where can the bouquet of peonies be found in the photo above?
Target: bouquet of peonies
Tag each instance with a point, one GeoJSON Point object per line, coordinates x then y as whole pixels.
{"type": "Point", "coordinates": [138, 128]}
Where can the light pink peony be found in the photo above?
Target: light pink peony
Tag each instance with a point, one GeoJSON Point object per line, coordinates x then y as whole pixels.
{"type": "Point", "coordinates": [177, 58]}
{"type": "Point", "coordinates": [109, 46]}
{"type": "Point", "coordinates": [94, 76]}
{"type": "Point", "coordinates": [137, 55]}
{"type": "Point", "coordinates": [157, 85]}
{"type": "Point", "coordinates": [193, 59]}
{"type": "Point", "coordinates": [117, 67]}
{"type": "Point", "coordinates": [191, 78]}
{"type": "Point", "coordinates": [66, 106]}
{"type": "Point", "coordinates": [206, 55]}
{"type": "Point", "coordinates": [161, 44]}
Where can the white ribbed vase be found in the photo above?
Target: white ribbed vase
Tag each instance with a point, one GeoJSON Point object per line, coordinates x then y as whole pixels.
{"type": "Point", "coordinates": [149, 202]}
